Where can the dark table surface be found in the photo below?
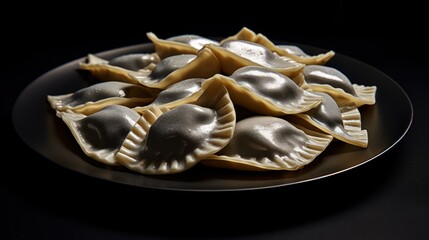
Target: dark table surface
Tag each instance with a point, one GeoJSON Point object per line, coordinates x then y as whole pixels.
{"type": "Point", "coordinates": [387, 198]}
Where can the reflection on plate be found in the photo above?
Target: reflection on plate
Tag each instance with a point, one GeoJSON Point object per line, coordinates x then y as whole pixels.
{"type": "Point", "coordinates": [49, 136]}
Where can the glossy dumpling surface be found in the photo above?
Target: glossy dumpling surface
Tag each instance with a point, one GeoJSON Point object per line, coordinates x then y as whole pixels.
{"type": "Point", "coordinates": [121, 68]}
{"type": "Point", "coordinates": [95, 97]}
{"type": "Point", "coordinates": [192, 40]}
{"type": "Point", "coordinates": [236, 54]}
{"type": "Point", "coordinates": [178, 68]}
{"type": "Point", "coordinates": [134, 62]}
{"type": "Point", "coordinates": [170, 141]}
{"type": "Point", "coordinates": [183, 44]}
{"type": "Point", "coordinates": [179, 91]}
{"type": "Point", "coordinates": [335, 83]}
{"type": "Point", "coordinates": [343, 124]}
{"type": "Point", "coordinates": [186, 91]}
{"type": "Point", "coordinates": [267, 92]}
{"type": "Point", "coordinates": [248, 35]}
{"type": "Point", "coordinates": [101, 134]}
{"type": "Point", "coordinates": [269, 143]}
{"type": "Point", "coordinates": [256, 53]}
{"type": "Point", "coordinates": [295, 50]}
{"type": "Point", "coordinates": [169, 65]}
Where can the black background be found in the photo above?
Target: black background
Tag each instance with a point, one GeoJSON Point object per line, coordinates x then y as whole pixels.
{"type": "Point", "coordinates": [385, 199]}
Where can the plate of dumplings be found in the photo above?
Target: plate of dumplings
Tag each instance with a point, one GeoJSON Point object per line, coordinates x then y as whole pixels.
{"type": "Point", "coordinates": [198, 114]}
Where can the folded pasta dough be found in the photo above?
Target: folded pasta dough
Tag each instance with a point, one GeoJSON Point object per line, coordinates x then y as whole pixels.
{"type": "Point", "coordinates": [119, 69]}
{"type": "Point", "coordinates": [331, 81]}
{"type": "Point", "coordinates": [178, 68]}
{"type": "Point", "coordinates": [167, 141]}
{"type": "Point", "coordinates": [237, 54]}
{"type": "Point", "coordinates": [95, 97]}
{"type": "Point", "coordinates": [101, 134]}
{"type": "Point", "coordinates": [299, 56]}
{"type": "Point", "coordinates": [269, 143]}
{"type": "Point", "coordinates": [183, 44]}
{"type": "Point", "coordinates": [186, 91]}
{"type": "Point", "coordinates": [343, 123]}
{"type": "Point", "coordinates": [266, 92]}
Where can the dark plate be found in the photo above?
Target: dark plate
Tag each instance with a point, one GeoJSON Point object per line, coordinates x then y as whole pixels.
{"type": "Point", "coordinates": [387, 122]}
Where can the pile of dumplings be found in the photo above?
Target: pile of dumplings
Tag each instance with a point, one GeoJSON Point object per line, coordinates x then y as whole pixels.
{"type": "Point", "coordinates": [242, 103]}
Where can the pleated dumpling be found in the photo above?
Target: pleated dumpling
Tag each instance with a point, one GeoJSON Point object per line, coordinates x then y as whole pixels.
{"type": "Point", "coordinates": [101, 134]}
{"type": "Point", "coordinates": [236, 54]}
{"type": "Point", "coordinates": [331, 81]}
{"type": "Point", "coordinates": [186, 91]}
{"type": "Point", "coordinates": [119, 69]}
{"type": "Point", "coordinates": [269, 143]}
{"type": "Point", "coordinates": [183, 44]}
{"type": "Point", "coordinates": [266, 92]}
{"type": "Point", "coordinates": [95, 97]}
{"type": "Point", "coordinates": [180, 67]}
{"type": "Point", "coordinates": [299, 56]}
{"type": "Point", "coordinates": [343, 124]}
{"type": "Point", "coordinates": [167, 141]}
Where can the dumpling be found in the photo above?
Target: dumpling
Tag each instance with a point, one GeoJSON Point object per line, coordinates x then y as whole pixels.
{"type": "Point", "coordinates": [179, 91]}
{"type": "Point", "coordinates": [295, 50]}
{"type": "Point", "coordinates": [186, 91]}
{"type": "Point", "coordinates": [299, 56]}
{"type": "Point", "coordinates": [195, 41]}
{"type": "Point", "coordinates": [171, 141]}
{"type": "Point", "coordinates": [95, 97]}
{"type": "Point", "coordinates": [269, 143]}
{"type": "Point", "coordinates": [101, 134]}
{"type": "Point", "coordinates": [330, 80]}
{"type": "Point", "coordinates": [169, 65]}
{"type": "Point", "coordinates": [236, 54]}
{"type": "Point", "coordinates": [119, 69]}
{"type": "Point", "coordinates": [183, 44]}
{"type": "Point", "coordinates": [266, 92]}
{"type": "Point", "coordinates": [180, 67]}
{"type": "Point", "coordinates": [343, 124]}
{"type": "Point", "coordinates": [134, 62]}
